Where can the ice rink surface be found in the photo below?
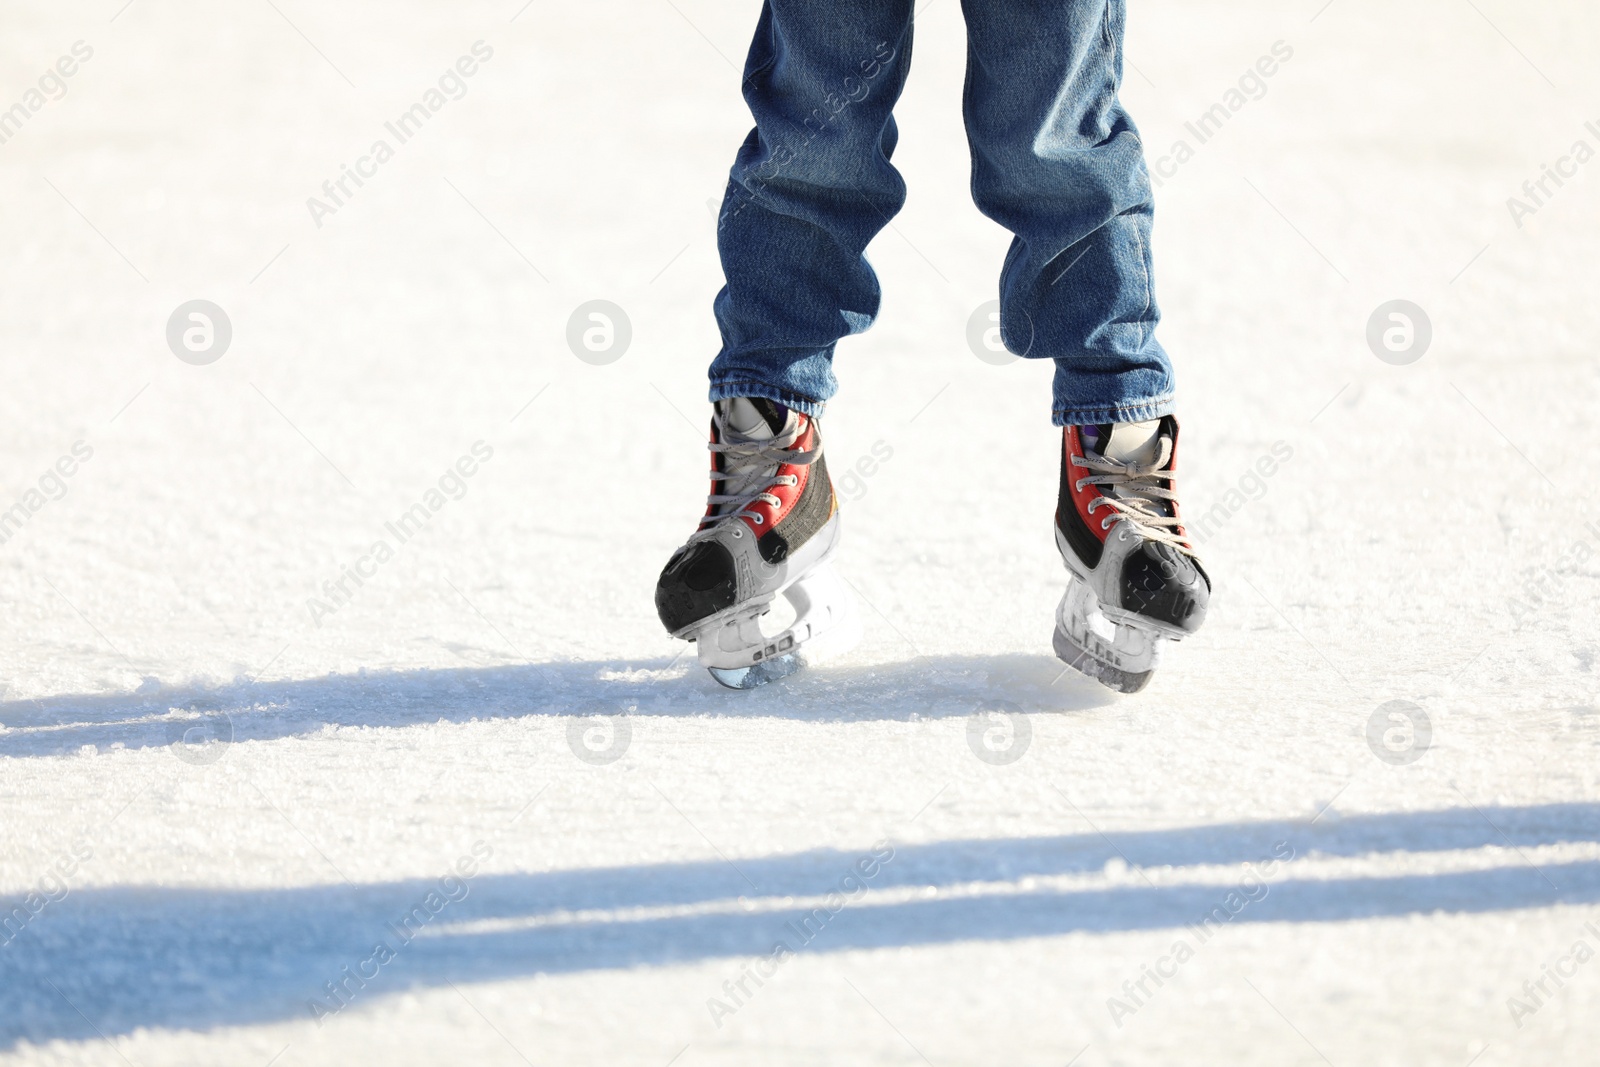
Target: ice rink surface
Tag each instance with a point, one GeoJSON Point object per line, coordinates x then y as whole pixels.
{"type": "Point", "coordinates": [480, 810]}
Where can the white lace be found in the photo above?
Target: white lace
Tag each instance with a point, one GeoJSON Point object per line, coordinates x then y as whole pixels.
{"type": "Point", "coordinates": [745, 458]}
{"type": "Point", "coordinates": [1142, 493]}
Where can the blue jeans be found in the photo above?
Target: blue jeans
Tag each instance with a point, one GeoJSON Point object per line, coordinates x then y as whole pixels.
{"type": "Point", "coordinates": [1055, 159]}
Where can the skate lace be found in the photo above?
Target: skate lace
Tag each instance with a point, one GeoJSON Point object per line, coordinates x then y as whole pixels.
{"type": "Point", "coordinates": [1142, 491]}
{"type": "Point", "coordinates": [743, 458]}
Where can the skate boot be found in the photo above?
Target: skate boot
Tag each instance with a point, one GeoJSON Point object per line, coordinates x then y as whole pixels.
{"type": "Point", "coordinates": [770, 529]}
{"type": "Point", "coordinates": [1135, 582]}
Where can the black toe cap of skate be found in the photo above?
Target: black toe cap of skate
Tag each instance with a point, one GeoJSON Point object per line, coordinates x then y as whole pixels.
{"type": "Point", "coordinates": [1166, 585]}
{"type": "Point", "coordinates": [698, 581]}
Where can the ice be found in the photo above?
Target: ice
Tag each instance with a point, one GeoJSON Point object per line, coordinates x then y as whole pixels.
{"type": "Point", "coordinates": [240, 745]}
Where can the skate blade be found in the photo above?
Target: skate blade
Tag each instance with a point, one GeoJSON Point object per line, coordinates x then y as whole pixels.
{"type": "Point", "coordinates": [740, 655]}
{"type": "Point", "coordinates": [1118, 656]}
{"type": "Point", "coordinates": [1082, 661]}
{"type": "Point", "coordinates": [769, 670]}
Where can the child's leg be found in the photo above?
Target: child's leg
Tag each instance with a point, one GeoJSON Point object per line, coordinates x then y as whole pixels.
{"type": "Point", "coordinates": [1058, 162]}
{"type": "Point", "coordinates": [810, 188]}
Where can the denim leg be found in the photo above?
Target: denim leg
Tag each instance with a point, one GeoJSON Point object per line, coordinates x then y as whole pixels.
{"type": "Point", "coordinates": [1057, 161]}
{"type": "Point", "coordinates": [810, 188]}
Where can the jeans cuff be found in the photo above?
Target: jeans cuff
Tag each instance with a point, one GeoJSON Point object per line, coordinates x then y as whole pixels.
{"type": "Point", "coordinates": [727, 390]}
{"type": "Point", "coordinates": [1133, 411]}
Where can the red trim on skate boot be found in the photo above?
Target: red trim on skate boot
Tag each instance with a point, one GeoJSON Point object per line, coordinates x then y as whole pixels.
{"type": "Point", "coordinates": [788, 495]}
{"type": "Point", "coordinates": [1072, 443]}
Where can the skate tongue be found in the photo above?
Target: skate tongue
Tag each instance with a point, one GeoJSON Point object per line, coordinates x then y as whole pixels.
{"type": "Point", "coordinates": [754, 417]}
{"type": "Point", "coordinates": [1130, 442]}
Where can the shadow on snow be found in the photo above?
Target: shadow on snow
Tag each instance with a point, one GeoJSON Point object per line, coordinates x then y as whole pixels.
{"type": "Point", "coordinates": [929, 687]}
{"type": "Point", "coordinates": [136, 956]}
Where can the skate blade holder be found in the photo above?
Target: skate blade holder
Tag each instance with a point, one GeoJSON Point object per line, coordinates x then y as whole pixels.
{"type": "Point", "coordinates": [1118, 655]}
{"type": "Point", "coordinates": [740, 655]}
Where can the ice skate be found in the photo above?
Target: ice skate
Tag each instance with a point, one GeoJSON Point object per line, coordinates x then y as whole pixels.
{"type": "Point", "coordinates": [770, 530]}
{"type": "Point", "coordinates": [1135, 581]}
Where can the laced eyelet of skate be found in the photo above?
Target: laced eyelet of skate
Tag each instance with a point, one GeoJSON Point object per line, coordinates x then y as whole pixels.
{"type": "Point", "coordinates": [1141, 489]}
{"type": "Point", "coordinates": [742, 453]}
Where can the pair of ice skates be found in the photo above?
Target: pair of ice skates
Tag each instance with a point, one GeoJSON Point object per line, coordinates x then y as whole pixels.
{"type": "Point", "coordinates": [771, 530]}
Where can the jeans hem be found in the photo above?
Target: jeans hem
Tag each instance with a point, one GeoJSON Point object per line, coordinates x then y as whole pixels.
{"type": "Point", "coordinates": [1134, 411]}
{"type": "Point", "coordinates": [727, 390]}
